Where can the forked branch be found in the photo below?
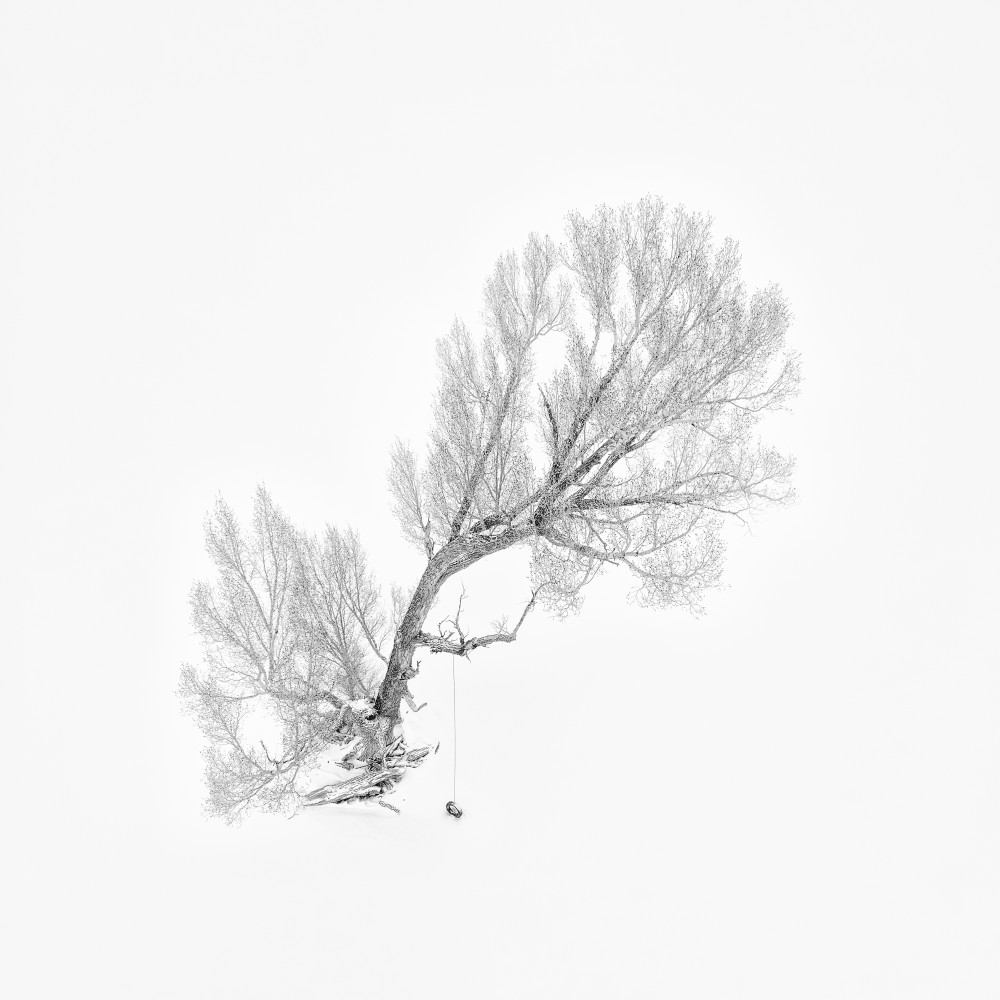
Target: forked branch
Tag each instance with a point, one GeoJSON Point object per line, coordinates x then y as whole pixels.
{"type": "Point", "coordinates": [444, 643]}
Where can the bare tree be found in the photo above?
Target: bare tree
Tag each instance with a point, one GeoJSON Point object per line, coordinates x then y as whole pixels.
{"type": "Point", "coordinates": [631, 453]}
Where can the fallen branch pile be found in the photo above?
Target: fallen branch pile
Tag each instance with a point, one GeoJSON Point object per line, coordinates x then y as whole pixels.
{"type": "Point", "coordinates": [380, 777]}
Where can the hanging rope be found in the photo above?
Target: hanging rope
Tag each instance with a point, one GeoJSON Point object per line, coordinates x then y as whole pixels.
{"type": "Point", "coordinates": [452, 807]}
{"type": "Point", "coordinates": [454, 732]}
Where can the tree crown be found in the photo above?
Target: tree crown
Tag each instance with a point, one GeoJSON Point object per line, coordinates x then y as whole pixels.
{"type": "Point", "coordinates": [634, 448]}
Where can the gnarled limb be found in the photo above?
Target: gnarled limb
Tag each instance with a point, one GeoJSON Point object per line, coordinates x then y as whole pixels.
{"type": "Point", "coordinates": [443, 643]}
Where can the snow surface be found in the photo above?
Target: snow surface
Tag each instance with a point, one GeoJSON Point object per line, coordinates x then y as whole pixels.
{"type": "Point", "coordinates": [231, 233]}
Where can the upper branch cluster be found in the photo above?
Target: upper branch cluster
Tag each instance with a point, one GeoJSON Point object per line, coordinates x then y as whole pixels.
{"type": "Point", "coordinates": [636, 446]}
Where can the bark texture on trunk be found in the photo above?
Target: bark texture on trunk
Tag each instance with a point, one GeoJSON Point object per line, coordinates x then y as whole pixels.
{"type": "Point", "coordinates": [399, 672]}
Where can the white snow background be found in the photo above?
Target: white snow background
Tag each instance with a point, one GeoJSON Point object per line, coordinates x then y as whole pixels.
{"type": "Point", "coordinates": [229, 236]}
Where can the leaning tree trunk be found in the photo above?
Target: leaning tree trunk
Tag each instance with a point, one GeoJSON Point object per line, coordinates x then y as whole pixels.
{"type": "Point", "coordinates": [384, 751]}
{"type": "Point", "coordinates": [399, 670]}
{"type": "Point", "coordinates": [457, 555]}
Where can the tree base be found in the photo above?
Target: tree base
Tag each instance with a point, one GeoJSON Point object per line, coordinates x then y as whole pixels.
{"type": "Point", "coordinates": [382, 772]}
